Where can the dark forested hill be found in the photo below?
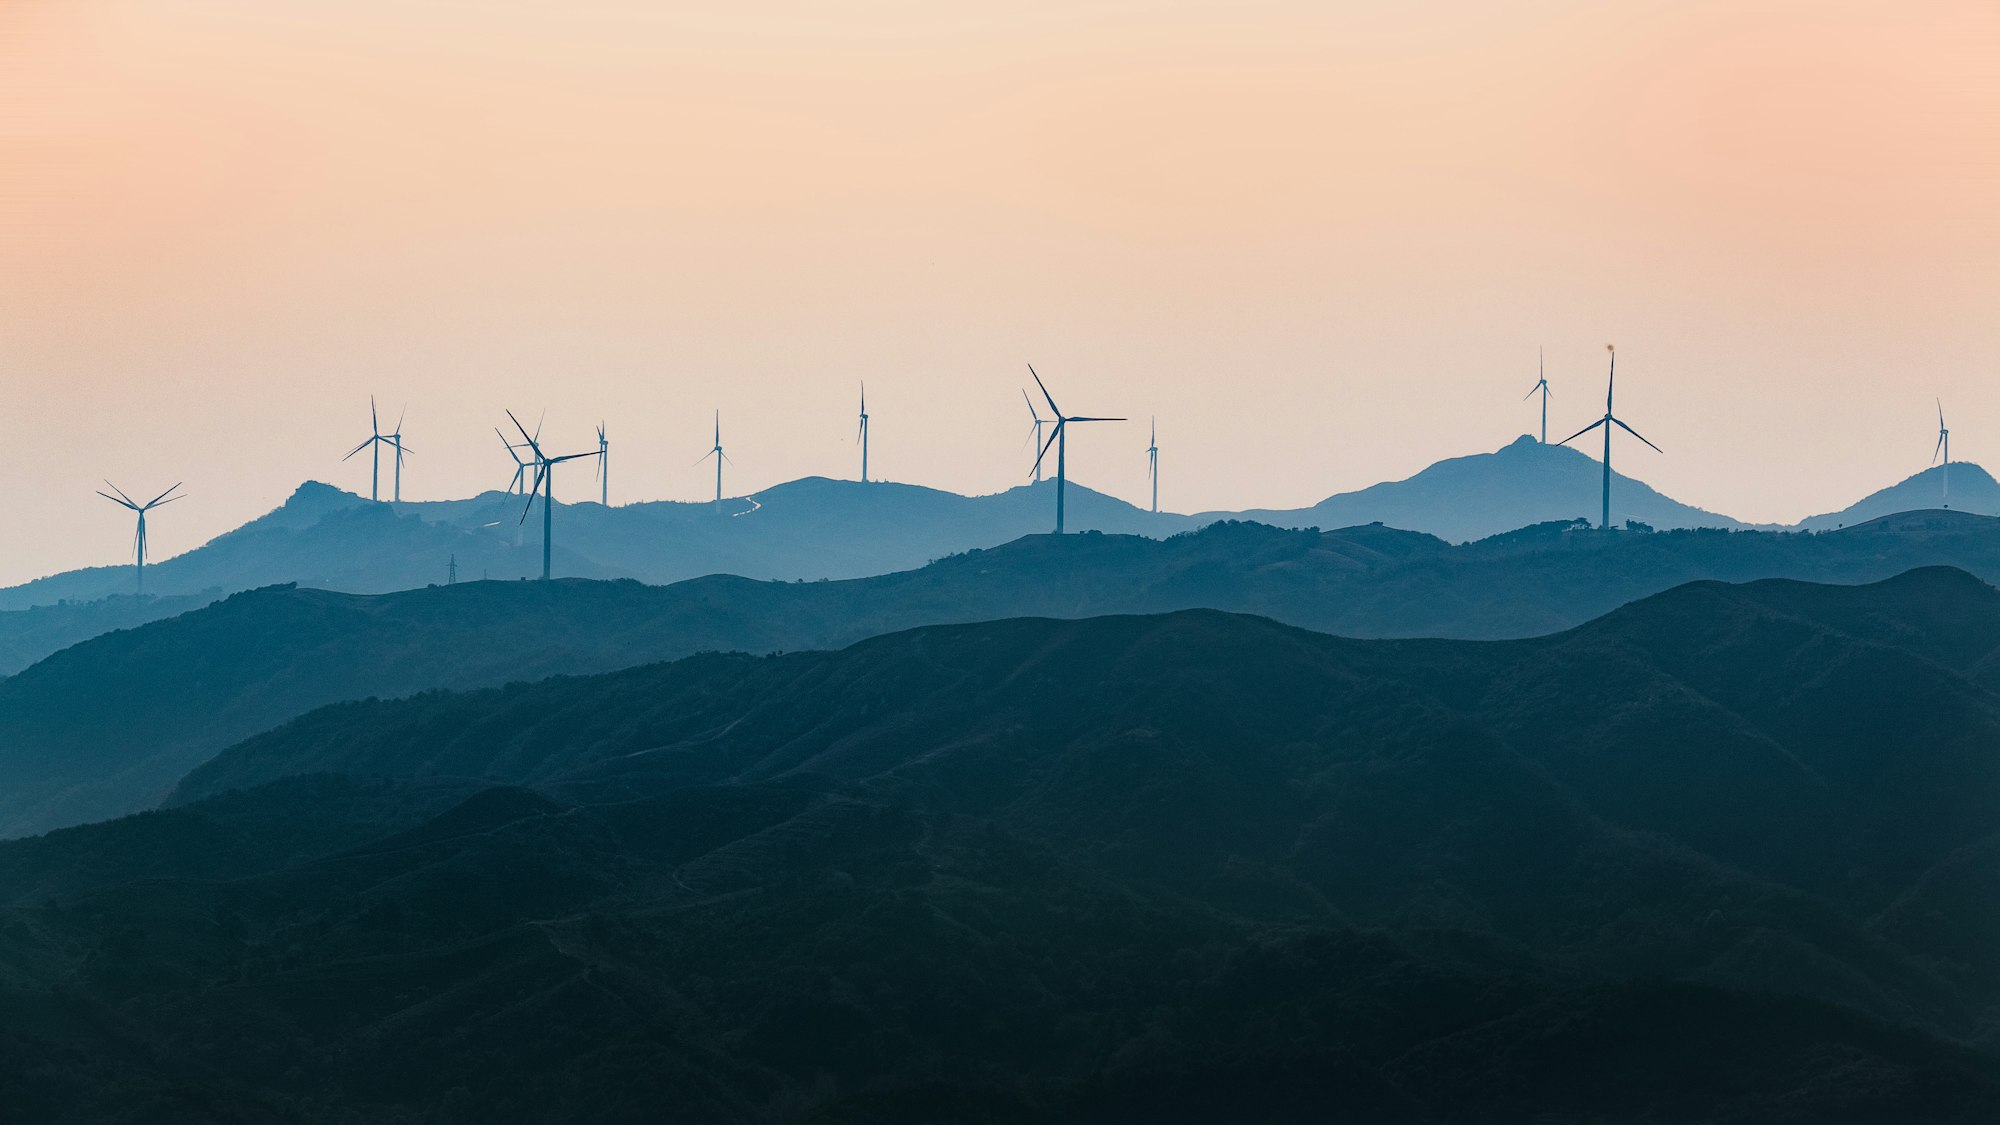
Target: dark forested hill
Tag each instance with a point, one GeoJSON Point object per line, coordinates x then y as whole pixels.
{"type": "Point", "coordinates": [1722, 855]}
{"type": "Point", "coordinates": [105, 727]}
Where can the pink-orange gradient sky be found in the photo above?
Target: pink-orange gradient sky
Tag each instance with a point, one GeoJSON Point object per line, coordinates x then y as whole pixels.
{"type": "Point", "coordinates": [1321, 241]}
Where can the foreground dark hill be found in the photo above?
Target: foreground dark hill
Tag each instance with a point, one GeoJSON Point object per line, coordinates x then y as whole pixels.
{"type": "Point", "coordinates": [1486, 494]}
{"type": "Point", "coordinates": [105, 727]}
{"type": "Point", "coordinates": [1724, 855]}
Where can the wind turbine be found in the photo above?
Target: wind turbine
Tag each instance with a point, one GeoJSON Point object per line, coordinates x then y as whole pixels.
{"type": "Point", "coordinates": [545, 483]}
{"type": "Point", "coordinates": [376, 439]}
{"type": "Point", "coordinates": [1039, 421]}
{"type": "Point", "coordinates": [1057, 439]}
{"type": "Point", "coordinates": [603, 467]}
{"type": "Point", "coordinates": [1609, 420]}
{"type": "Point", "coordinates": [396, 439]}
{"type": "Point", "coordinates": [139, 540]}
{"type": "Point", "coordinates": [861, 435]}
{"type": "Point", "coordinates": [1543, 387]}
{"type": "Point", "coordinates": [1943, 447]}
{"type": "Point", "coordinates": [719, 456]}
{"type": "Point", "coordinates": [1153, 464]}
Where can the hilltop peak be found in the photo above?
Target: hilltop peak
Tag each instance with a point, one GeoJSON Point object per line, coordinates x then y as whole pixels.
{"type": "Point", "coordinates": [1972, 490]}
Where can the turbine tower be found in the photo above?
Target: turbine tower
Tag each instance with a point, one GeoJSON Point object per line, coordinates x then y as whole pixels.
{"type": "Point", "coordinates": [138, 540]}
{"type": "Point", "coordinates": [545, 484]}
{"type": "Point", "coordinates": [861, 435]}
{"type": "Point", "coordinates": [396, 439]}
{"type": "Point", "coordinates": [1039, 422]}
{"type": "Point", "coordinates": [1153, 463]}
{"type": "Point", "coordinates": [376, 439]}
{"type": "Point", "coordinates": [1943, 447]}
{"type": "Point", "coordinates": [1543, 387]}
{"type": "Point", "coordinates": [1057, 439]}
{"type": "Point", "coordinates": [719, 456]}
{"type": "Point", "coordinates": [1609, 420]}
{"type": "Point", "coordinates": [603, 467]}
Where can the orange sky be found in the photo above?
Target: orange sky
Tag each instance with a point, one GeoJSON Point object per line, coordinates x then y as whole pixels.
{"type": "Point", "coordinates": [1321, 241]}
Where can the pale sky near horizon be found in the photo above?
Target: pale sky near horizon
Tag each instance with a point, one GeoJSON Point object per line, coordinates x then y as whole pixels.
{"type": "Point", "coordinates": [1321, 241]}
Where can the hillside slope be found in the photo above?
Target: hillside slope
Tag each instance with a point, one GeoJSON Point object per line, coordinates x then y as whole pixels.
{"type": "Point", "coordinates": [1485, 494]}
{"type": "Point", "coordinates": [1180, 868]}
{"type": "Point", "coordinates": [72, 749]}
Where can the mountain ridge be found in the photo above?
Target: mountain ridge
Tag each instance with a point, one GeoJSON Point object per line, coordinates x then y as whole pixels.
{"type": "Point", "coordinates": [820, 527]}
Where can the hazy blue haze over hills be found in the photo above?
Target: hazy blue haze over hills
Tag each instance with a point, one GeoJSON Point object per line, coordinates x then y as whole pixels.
{"type": "Point", "coordinates": [820, 528]}
{"type": "Point", "coordinates": [1732, 844]}
{"type": "Point", "coordinates": [1972, 490]}
{"type": "Point", "coordinates": [1485, 494]}
{"type": "Point", "coordinates": [104, 727]}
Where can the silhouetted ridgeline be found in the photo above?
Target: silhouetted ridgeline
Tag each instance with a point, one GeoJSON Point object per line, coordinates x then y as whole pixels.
{"type": "Point", "coordinates": [71, 750]}
{"type": "Point", "coordinates": [1726, 854]}
{"type": "Point", "coordinates": [818, 528]}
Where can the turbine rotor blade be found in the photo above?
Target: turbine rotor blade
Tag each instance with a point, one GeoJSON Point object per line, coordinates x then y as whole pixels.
{"type": "Point", "coordinates": [1053, 408]}
{"type": "Point", "coordinates": [1053, 435]}
{"type": "Point", "coordinates": [532, 490]}
{"type": "Point", "coordinates": [117, 501]}
{"type": "Point", "coordinates": [1581, 432]}
{"type": "Point", "coordinates": [532, 444]}
{"type": "Point", "coordinates": [1083, 419]}
{"type": "Point", "coordinates": [119, 491]}
{"type": "Point", "coordinates": [1636, 434]}
{"type": "Point", "coordinates": [162, 496]}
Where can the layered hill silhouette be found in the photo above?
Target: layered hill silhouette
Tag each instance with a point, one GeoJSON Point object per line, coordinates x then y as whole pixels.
{"type": "Point", "coordinates": [1972, 489]}
{"type": "Point", "coordinates": [1717, 856]}
{"type": "Point", "coordinates": [814, 528]}
{"type": "Point", "coordinates": [105, 727]}
{"type": "Point", "coordinates": [821, 528]}
{"type": "Point", "coordinates": [1486, 494]}
{"type": "Point", "coordinates": [807, 529]}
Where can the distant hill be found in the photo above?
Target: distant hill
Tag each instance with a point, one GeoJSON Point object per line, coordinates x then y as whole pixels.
{"type": "Point", "coordinates": [807, 529]}
{"type": "Point", "coordinates": [325, 538]}
{"type": "Point", "coordinates": [106, 726]}
{"type": "Point", "coordinates": [1725, 855]}
{"type": "Point", "coordinates": [820, 528]}
{"type": "Point", "coordinates": [1485, 494]}
{"type": "Point", "coordinates": [1972, 490]}
{"type": "Point", "coordinates": [28, 635]}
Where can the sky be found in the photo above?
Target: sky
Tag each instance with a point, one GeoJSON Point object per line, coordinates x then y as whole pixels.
{"type": "Point", "coordinates": [1321, 242]}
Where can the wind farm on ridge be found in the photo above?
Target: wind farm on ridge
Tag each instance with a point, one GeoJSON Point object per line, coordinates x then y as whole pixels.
{"type": "Point", "coordinates": [532, 468]}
